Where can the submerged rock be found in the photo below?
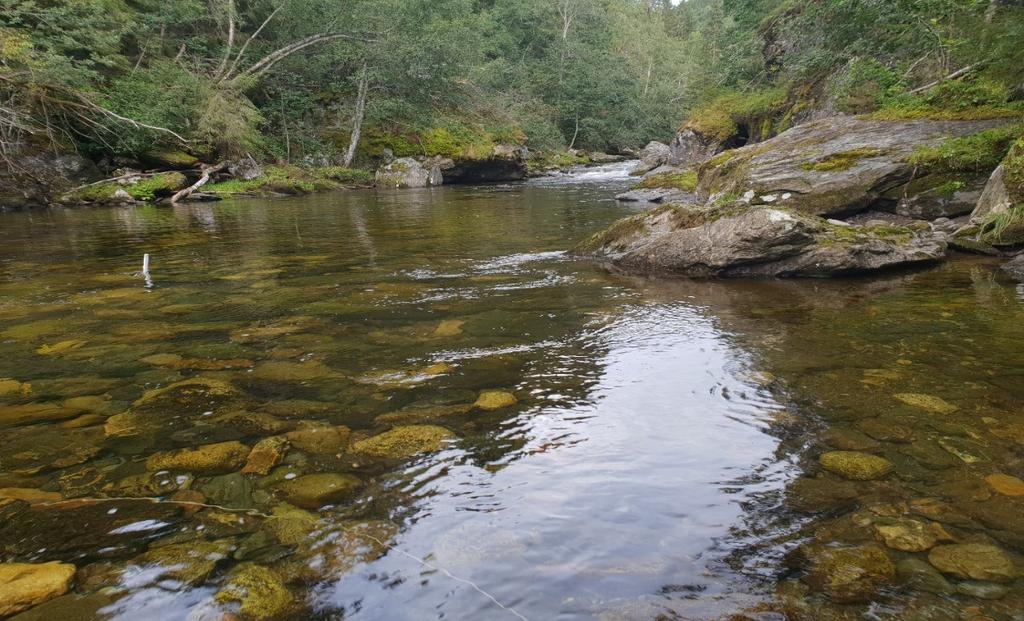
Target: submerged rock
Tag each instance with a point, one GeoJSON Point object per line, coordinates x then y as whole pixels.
{"type": "Point", "coordinates": [260, 593]}
{"type": "Point", "coordinates": [910, 535]}
{"type": "Point", "coordinates": [1002, 484]}
{"type": "Point", "coordinates": [920, 575]}
{"type": "Point", "coordinates": [744, 241]}
{"type": "Point", "coordinates": [317, 438]}
{"type": "Point", "coordinates": [848, 575]}
{"type": "Point", "coordinates": [312, 491]}
{"type": "Point", "coordinates": [189, 563]}
{"type": "Point", "coordinates": [929, 403]}
{"type": "Point", "coordinates": [495, 400]}
{"type": "Point", "coordinates": [1015, 267]}
{"type": "Point", "coordinates": [855, 466]}
{"type": "Point", "coordinates": [403, 442]}
{"type": "Point", "coordinates": [974, 561]}
{"type": "Point", "coordinates": [209, 459]}
{"type": "Point", "coordinates": [24, 585]}
{"type": "Point", "coordinates": [265, 454]}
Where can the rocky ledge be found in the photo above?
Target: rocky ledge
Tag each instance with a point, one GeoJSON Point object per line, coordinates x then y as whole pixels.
{"type": "Point", "coordinates": [833, 197]}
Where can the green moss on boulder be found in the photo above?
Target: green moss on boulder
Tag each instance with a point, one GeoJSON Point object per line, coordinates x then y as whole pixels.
{"type": "Point", "coordinates": [855, 465]}
{"type": "Point", "coordinates": [685, 181]}
{"type": "Point", "coordinates": [403, 442]}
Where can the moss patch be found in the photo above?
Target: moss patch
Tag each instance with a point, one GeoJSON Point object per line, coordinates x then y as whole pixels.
{"type": "Point", "coordinates": [685, 181]}
{"type": "Point", "coordinates": [721, 117]}
{"type": "Point", "coordinates": [979, 153]}
{"type": "Point", "coordinates": [294, 180]}
{"type": "Point", "coordinates": [403, 442]}
{"type": "Point", "coordinates": [844, 160]}
{"type": "Point", "coordinates": [147, 189]}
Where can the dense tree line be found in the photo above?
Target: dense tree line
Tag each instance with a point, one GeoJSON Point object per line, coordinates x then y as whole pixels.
{"type": "Point", "coordinates": [341, 80]}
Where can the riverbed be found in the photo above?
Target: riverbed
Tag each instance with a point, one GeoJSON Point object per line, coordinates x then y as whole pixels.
{"type": "Point", "coordinates": [596, 446]}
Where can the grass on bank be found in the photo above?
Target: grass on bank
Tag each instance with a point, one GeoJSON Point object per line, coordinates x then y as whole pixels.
{"type": "Point", "coordinates": [685, 181]}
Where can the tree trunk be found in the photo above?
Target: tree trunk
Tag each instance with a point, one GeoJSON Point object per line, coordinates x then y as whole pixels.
{"type": "Point", "coordinates": [357, 122]}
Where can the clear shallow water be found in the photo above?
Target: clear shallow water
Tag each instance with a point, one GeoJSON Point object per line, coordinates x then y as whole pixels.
{"type": "Point", "coordinates": [660, 460]}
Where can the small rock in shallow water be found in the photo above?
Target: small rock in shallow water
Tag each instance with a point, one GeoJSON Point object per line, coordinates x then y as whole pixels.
{"type": "Point", "coordinates": [1005, 484]}
{"type": "Point", "coordinates": [854, 465]}
{"type": "Point", "coordinates": [208, 459]}
{"type": "Point", "coordinates": [886, 430]}
{"type": "Point", "coordinates": [23, 585]}
{"type": "Point", "coordinates": [495, 400]}
{"type": "Point", "coordinates": [449, 327]}
{"type": "Point", "coordinates": [974, 561]}
{"type": "Point", "coordinates": [318, 438]}
{"type": "Point", "coordinates": [920, 575]}
{"type": "Point", "coordinates": [312, 491]}
{"type": "Point", "coordinates": [403, 442]}
{"type": "Point", "coordinates": [259, 591]}
{"type": "Point", "coordinates": [909, 535]}
{"type": "Point", "coordinates": [927, 402]}
{"type": "Point", "coordinates": [849, 440]}
{"type": "Point", "coordinates": [848, 575]}
{"type": "Point", "coordinates": [190, 563]}
{"type": "Point", "coordinates": [266, 454]}
{"type": "Point", "coordinates": [982, 590]}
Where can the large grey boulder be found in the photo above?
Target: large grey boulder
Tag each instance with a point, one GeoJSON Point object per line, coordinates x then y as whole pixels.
{"type": "Point", "coordinates": [829, 167]}
{"type": "Point", "coordinates": [690, 148]}
{"type": "Point", "coordinates": [506, 163]}
{"type": "Point", "coordinates": [406, 172]}
{"type": "Point", "coordinates": [653, 155]}
{"type": "Point", "coordinates": [755, 241]}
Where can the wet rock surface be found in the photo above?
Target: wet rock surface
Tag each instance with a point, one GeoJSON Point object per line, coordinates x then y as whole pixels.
{"type": "Point", "coordinates": [849, 574]}
{"type": "Point", "coordinates": [24, 585]}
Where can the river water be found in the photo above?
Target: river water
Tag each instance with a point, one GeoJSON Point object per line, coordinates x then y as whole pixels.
{"type": "Point", "coordinates": [660, 459]}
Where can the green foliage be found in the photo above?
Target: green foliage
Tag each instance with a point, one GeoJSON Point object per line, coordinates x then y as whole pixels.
{"type": "Point", "coordinates": [685, 181]}
{"type": "Point", "coordinates": [146, 189]}
{"type": "Point", "coordinates": [977, 153]}
{"type": "Point", "coordinates": [1013, 172]}
{"type": "Point", "coordinates": [843, 160]}
{"type": "Point", "coordinates": [862, 85]}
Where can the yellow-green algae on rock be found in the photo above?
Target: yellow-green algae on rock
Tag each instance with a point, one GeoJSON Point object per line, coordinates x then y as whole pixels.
{"type": "Point", "coordinates": [404, 441]}
{"type": "Point", "coordinates": [855, 465]}
{"type": "Point", "coordinates": [190, 563]}
{"type": "Point", "coordinates": [927, 402]}
{"type": "Point", "coordinates": [260, 593]}
{"type": "Point", "coordinates": [495, 400]}
{"type": "Point", "coordinates": [849, 575]}
{"type": "Point", "coordinates": [312, 491]}
{"type": "Point", "coordinates": [207, 459]}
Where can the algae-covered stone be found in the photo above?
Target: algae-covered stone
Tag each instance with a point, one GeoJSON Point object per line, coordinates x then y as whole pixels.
{"type": "Point", "coordinates": [62, 347]}
{"type": "Point", "coordinates": [1005, 484]}
{"type": "Point", "coordinates": [190, 563]}
{"type": "Point", "coordinates": [317, 438]}
{"type": "Point", "coordinates": [405, 441]}
{"type": "Point", "coordinates": [24, 585]}
{"type": "Point", "coordinates": [290, 525]}
{"type": "Point", "coordinates": [312, 491]}
{"type": "Point", "coordinates": [919, 575]}
{"type": "Point", "coordinates": [266, 454]}
{"type": "Point", "coordinates": [449, 327]}
{"type": "Point", "coordinates": [974, 561]}
{"type": "Point", "coordinates": [495, 400]}
{"type": "Point", "coordinates": [208, 459]}
{"type": "Point", "coordinates": [886, 430]}
{"type": "Point", "coordinates": [929, 403]}
{"type": "Point", "coordinates": [854, 465]}
{"type": "Point", "coordinates": [260, 593]}
{"type": "Point", "coordinates": [910, 535]}
{"type": "Point", "coordinates": [13, 388]}
{"type": "Point", "coordinates": [849, 575]}
{"type": "Point", "coordinates": [14, 415]}
{"type": "Point", "coordinates": [29, 495]}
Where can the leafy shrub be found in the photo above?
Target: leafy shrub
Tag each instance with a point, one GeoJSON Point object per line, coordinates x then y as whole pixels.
{"type": "Point", "coordinates": [978, 153]}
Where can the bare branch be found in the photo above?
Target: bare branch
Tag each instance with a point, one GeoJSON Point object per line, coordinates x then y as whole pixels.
{"type": "Point", "coordinates": [231, 40]}
{"type": "Point", "coordinates": [959, 73]}
{"type": "Point", "coordinates": [271, 59]}
{"type": "Point", "coordinates": [132, 122]}
{"type": "Point", "coordinates": [245, 46]}
{"type": "Point", "coordinates": [207, 172]}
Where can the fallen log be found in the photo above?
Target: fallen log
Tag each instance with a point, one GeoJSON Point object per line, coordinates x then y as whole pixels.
{"type": "Point", "coordinates": [207, 172]}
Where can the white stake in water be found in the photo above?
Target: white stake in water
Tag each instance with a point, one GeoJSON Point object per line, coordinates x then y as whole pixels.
{"type": "Point", "coordinates": [145, 271]}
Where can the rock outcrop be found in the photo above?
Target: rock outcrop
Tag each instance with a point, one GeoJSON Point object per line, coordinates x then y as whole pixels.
{"type": "Point", "coordinates": [690, 148]}
{"type": "Point", "coordinates": [770, 208]}
{"type": "Point", "coordinates": [507, 163]}
{"type": "Point", "coordinates": [830, 167]}
{"type": "Point", "coordinates": [406, 172]}
{"type": "Point", "coordinates": [758, 240]}
{"type": "Point", "coordinates": [1015, 267]}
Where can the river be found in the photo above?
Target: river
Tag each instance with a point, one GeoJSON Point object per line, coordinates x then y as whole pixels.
{"type": "Point", "coordinates": [660, 459]}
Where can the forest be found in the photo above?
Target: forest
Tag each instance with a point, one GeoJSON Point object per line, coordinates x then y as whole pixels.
{"type": "Point", "coordinates": [331, 82]}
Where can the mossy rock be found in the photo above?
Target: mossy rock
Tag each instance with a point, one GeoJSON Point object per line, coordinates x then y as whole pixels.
{"type": "Point", "coordinates": [928, 403]}
{"type": "Point", "coordinates": [260, 593]}
{"type": "Point", "coordinates": [849, 575]}
{"type": "Point", "coordinates": [495, 400]}
{"type": "Point", "coordinates": [843, 160]}
{"type": "Point", "coordinates": [146, 189]}
{"type": "Point", "coordinates": [974, 561]}
{"type": "Point", "coordinates": [403, 442]}
{"type": "Point", "coordinates": [189, 563]}
{"type": "Point", "coordinates": [855, 465]}
{"type": "Point", "coordinates": [685, 181]}
{"type": "Point", "coordinates": [217, 458]}
{"type": "Point", "coordinates": [169, 158]}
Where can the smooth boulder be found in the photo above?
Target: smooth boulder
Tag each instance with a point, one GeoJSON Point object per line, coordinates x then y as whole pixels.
{"type": "Point", "coordinates": [24, 585]}
{"type": "Point", "coordinates": [755, 241]}
{"type": "Point", "coordinates": [651, 156]}
{"type": "Point", "coordinates": [406, 172]}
